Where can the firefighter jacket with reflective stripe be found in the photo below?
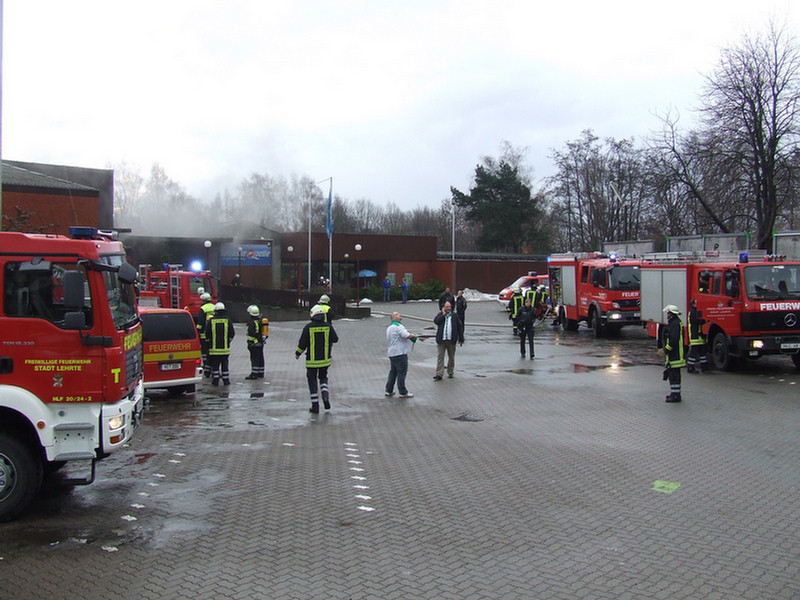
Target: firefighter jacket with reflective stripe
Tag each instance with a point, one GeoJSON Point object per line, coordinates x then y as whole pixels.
{"type": "Point", "coordinates": [316, 340]}
{"type": "Point", "coordinates": [219, 332]}
{"type": "Point", "coordinates": [695, 325]}
{"type": "Point", "coordinates": [254, 337]}
{"type": "Point", "coordinates": [673, 343]}
{"type": "Point", "coordinates": [202, 318]}
{"type": "Point", "coordinates": [515, 304]}
{"type": "Point", "coordinates": [326, 310]}
{"type": "Point", "coordinates": [535, 296]}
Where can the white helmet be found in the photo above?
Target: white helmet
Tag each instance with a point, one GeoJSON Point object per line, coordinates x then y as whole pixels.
{"type": "Point", "coordinates": [201, 291]}
{"type": "Point", "coordinates": [253, 310]}
{"type": "Point", "coordinates": [205, 296]}
{"type": "Point", "coordinates": [317, 310]}
{"type": "Point", "coordinates": [324, 299]}
{"type": "Point", "coordinates": [219, 306]}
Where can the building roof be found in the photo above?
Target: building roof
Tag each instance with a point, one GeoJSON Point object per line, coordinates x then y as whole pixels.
{"type": "Point", "coordinates": [18, 179]}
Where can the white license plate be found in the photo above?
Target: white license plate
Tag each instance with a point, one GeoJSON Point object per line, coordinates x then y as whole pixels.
{"type": "Point", "coordinates": [791, 346]}
{"type": "Point", "coordinates": [170, 366]}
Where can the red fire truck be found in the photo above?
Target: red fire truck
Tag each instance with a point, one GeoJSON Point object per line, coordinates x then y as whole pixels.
{"type": "Point", "coordinates": [70, 359]}
{"type": "Point", "coordinates": [600, 289]}
{"type": "Point", "coordinates": [172, 287]}
{"type": "Point", "coordinates": [751, 304]}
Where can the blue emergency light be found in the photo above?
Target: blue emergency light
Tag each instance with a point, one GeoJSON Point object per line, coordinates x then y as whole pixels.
{"type": "Point", "coordinates": [82, 232]}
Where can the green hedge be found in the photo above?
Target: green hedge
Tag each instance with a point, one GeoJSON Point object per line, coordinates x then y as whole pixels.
{"type": "Point", "coordinates": [429, 290]}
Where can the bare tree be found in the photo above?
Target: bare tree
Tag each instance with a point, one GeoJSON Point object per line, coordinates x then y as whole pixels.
{"type": "Point", "coordinates": [599, 193]}
{"type": "Point", "coordinates": [128, 186]}
{"type": "Point", "coordinates": [751, 101]}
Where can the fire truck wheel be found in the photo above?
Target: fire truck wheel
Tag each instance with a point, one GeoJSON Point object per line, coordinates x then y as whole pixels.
{"type": "Point", "coordinates": [720, 353]}
{"type": "Point", "coordinates": [796, 360]}
{"type": "Point", "coordinates": [20, 477]}
{"type": "Point", "coordinates": [597, 324]}
{"type": "Point", "coordinates": [567, 324]}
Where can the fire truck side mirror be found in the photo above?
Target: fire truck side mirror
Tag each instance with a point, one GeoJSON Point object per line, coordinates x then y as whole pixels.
{"type": "Point", "coordinates": [127, 273]}
{"type": "Point", "coordinates": [73, 300]}
{"type": "Point", "coordinates": [73, 290]}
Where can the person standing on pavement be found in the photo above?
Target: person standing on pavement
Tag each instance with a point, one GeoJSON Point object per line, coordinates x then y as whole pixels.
{"type": "Point", "coordinates": [255, 343]}
{"type": "Point", "coordinates": [672, 342]}
{"type": "Point", "coordinates": [206, 309]}
{"type": "Point", "coordinates": [461, 308]}
{"type": "Point", "coordinates": [448, 332]}
{"type": "Point", "coordinates": [219, 332]}
{"type": "Point", "coordinates": [324, 304]}
{"type": "Point", "coordinates": [316, 341]}
{"type": "Point", "coordinates": [514, 306]}
{"type": "Point", "coordinates": [447, 296]}
{"type": "Point", "coordinates": [404, 289]}
{"type": "Point", "coordinates": [387, 289]}
{"type": "Point", "coordinates": [400, 343]}
{"type": "Point", "coordinates": [697, 341]}
{"type": "Point", "coordinates": [525, 320]}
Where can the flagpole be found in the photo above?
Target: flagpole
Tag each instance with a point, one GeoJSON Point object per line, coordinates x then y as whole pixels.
{"type": "Point", "coordinates": [329, 228]}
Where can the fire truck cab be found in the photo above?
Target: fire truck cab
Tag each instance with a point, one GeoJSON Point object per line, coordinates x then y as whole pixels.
{"type": "Point", "coordinates": [172, 287]}
{"type": "Point", "coordinates": [70, 358]}
{"type": "Point", "coordinates": [751, 303]}
{"type": "Point", "coordinates": [601, 290]}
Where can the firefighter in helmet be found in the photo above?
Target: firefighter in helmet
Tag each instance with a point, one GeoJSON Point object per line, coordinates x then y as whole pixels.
{"type": "Point", "coordinates": [255, 343]}
{"type": "Point", "coordinates": [514, 306]}
{"type": "Point", "coordinates": [324, 304]}
{"type": "Point", "coordinates": [315, 340]}
{"type": "Point", "coordinates": [206, 309]}
{"type": "Point", "coordinates": [219, 332]}
{"type": "Point", "coordinates": [672, 343]}
{"type": "Point", "coordinates": [697, 341]}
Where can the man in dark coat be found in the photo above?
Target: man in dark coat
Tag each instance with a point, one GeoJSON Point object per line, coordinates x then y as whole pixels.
{"type": "Point", "coordinates": [448, 332]}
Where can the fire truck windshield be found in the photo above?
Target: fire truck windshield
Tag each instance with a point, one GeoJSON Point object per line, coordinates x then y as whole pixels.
{"type": "Point", "coordinates": [121, 297]}
{"type": "Point", "coordinates": [772, 281]}
{"type": "Point", "coordinates": [623, 277]}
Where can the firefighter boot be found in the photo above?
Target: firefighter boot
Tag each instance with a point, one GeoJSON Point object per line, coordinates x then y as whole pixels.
{"type": "Point", "coordinates": [314, 408]}
{"type": "Point", "coordinates": [325, 401]}
{"type": "Point", "coordinates": [673, 397]}
{"type": "Point", "coordinates": [691, 369]}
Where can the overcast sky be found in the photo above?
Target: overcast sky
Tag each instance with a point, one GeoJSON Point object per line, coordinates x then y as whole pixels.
{"type": "Point", "coordinates": [396, 100]}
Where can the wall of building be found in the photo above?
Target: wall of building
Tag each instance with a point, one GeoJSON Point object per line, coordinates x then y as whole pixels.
{"type": "Point", "coordinates": [52, 212]}
{"type": "Point", "coordinates": [100, 179]}
{"type": "Point", "coordinates": [488, 276]}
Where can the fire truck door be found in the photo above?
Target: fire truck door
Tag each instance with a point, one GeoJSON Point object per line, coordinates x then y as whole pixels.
{"type": "Point", "coordinates": [569, 296]}
{"type": "Point", "coordinates": [660, 287]}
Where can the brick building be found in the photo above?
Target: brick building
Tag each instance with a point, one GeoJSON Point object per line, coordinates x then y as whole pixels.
{"type": "Point", "coordinates": [51, 198]}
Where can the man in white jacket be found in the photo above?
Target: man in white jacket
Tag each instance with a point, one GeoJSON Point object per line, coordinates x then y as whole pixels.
{"type": "Point", "coordinates": [399, 342]}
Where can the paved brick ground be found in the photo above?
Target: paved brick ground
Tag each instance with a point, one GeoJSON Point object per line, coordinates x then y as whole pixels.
{"type": "Point", "coordinates": [563, 477]}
